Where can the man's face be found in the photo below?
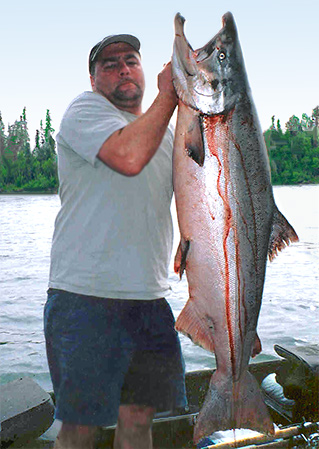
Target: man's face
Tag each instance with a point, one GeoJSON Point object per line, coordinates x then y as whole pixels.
{"type": "Point", "coordinates": [119, 77]}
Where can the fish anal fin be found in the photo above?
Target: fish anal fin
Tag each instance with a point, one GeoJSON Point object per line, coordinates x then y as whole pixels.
{"type": "Point", "coordinates": [194, 144]}
{"type": "Point", "coordinates": [198, 329]}
{"type": "Point", "coordinates": [177, 259]}
{"type": "Point", "coordinates": [281, 235]}
{"type": "Point", "coordinates": [181, 256]}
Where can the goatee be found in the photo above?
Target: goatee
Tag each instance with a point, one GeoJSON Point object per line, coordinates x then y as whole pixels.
{"type": "Point", "coordinates": [123, 95]}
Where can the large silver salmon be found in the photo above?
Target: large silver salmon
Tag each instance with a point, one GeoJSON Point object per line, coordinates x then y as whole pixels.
{"type": "Point", "coordinates": [228, 221]}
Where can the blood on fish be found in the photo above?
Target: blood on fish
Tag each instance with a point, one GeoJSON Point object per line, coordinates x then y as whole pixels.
{"type": "Point", "coordinates": [210, 125]}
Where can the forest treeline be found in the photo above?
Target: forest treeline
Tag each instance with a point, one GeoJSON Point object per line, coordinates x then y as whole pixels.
{"type": "Point", "coordinates": [24, 167]}
{"type": "Point", "coordinates": [293, 153]}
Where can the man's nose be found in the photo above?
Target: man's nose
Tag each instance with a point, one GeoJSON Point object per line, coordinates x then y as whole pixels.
{"type": "Point", "coordinates": [124, 68]}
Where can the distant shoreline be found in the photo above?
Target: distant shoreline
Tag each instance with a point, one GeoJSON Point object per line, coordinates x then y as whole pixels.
{"type": "Point", "coordinates": [29, 192]}
{"type": "Point", "coordinates": [55, 192]}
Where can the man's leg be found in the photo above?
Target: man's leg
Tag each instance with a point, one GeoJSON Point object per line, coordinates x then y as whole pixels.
{"type": "Point", "coordinates": [83, 337]}
{"type": "Point", "coordinates": [75, 437]}
{"type": "Point", "coordinates": [134, 427]}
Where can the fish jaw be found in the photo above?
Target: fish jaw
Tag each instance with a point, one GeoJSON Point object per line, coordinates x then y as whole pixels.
{"type": "Point", "coordinates": [192, 85]}
{"type": "Point", "coordinates": [207, 79]}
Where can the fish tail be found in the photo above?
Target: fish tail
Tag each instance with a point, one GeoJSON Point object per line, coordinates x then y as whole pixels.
{"type": "Point", "coordinates": [282, 233]}
{"type": "Point", "coordinates": [233, 405]}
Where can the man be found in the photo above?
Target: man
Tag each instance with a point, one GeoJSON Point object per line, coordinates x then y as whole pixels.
{"type": "Point", "coordinates": [113, 353]}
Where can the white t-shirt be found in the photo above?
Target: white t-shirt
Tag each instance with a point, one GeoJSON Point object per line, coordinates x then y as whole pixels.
{"type": "Point", "coordinates": [113, 234]}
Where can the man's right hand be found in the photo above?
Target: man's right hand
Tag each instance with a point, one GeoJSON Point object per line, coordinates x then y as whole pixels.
{"type": "Point", "coordinates": [165, 83]}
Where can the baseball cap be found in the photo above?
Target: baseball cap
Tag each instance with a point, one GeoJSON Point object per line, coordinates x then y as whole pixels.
{"type": "Point", "coordinates": [114, 38]}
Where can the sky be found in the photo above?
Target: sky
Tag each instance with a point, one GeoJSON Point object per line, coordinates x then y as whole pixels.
{"type": "Point", "coordinates": [45, 46]}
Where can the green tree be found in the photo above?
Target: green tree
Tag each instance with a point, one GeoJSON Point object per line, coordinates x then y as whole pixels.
{"type": "Point", "coordinates": [18, 137]}
{"type": "Point", "coordinates": [21, 169]}
{"type": "Point", "coordinates": [315, 117]}
{"type": "Point", "coordinates": [293, 125]}
{"type": "Point", "coordinates": [300, 144]}
{"type": "Point", "coordinates": [45, 159]}
{"type": "Point", "coordinates": [37, 140]}
{"type": "Point", "coordinates": [2, 137]}
{"type": "Point", "coordinates": [44, 141]}
{"type": "Point", "coordinates": [294, 154]}
{"type": "Point", "coordinates": [48, 131]}
{"type": "Point", "coordinates": [307, 123]}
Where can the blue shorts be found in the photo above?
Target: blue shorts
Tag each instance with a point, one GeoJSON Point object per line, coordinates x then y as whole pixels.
{"type": "Point", "coordinates": [107, 352]}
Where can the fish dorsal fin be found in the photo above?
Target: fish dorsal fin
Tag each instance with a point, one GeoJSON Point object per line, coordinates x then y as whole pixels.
{"type": "Point", "coordinates": [282, 233]}
{"type": "Point", "coordinates": [194, 140]}
{"type": "Point", "coordinates": [197, 328]}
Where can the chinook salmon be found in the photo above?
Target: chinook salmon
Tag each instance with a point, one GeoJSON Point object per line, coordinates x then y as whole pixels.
{"type": "Point", "coordinates": [228, 222]}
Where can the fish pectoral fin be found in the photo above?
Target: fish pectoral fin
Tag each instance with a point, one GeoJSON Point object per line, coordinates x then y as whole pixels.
{"type": "Point", "coordinates": [194, 144]}
{"type": "Point", "coordinates": [181, 256]}
{"type": "Point", "coordinates": [195, 326]}
{"type": "Point", "coordinates": [282, 233]}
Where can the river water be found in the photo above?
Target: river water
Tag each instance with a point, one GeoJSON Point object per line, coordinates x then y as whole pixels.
{"type": "Point", "coordinates": [289, 313]}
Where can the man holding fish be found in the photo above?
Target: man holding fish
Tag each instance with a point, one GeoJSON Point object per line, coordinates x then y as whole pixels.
{"type": "Point", "coordinates": [112, 348]}
{"type": "Point", "coordinates": [113, 352]}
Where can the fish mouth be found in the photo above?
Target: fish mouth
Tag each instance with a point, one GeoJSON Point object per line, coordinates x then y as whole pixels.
{"type": "Point", "coordinates": [193, 84]}
{"type": "Point", "coordinates": [200, 80]}
{"type": "Point", "coordinates": [205, 95]}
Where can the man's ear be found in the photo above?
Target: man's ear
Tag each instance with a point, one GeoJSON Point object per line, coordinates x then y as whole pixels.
{"type": "Point", "coordinates": [92, 82]}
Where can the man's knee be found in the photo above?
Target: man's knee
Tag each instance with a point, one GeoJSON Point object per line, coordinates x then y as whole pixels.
{"type": "Point", "coordinates": [136, 418]}
{"type": "Point", "coordinates": [75, 437]}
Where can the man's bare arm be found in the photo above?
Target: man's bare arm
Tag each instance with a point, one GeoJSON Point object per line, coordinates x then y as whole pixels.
{"type": "Point", "coordinates": [128, 150]}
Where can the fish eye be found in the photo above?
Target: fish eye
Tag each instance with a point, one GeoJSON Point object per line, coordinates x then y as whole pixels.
{"type": "Point", "coordinates": [222, 55]}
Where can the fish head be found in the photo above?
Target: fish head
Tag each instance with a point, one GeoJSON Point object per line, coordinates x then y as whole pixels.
{"type": "Point", "coordinates": [212, 78]}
